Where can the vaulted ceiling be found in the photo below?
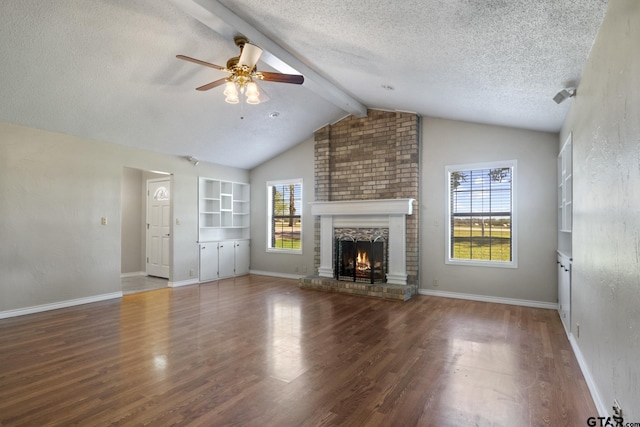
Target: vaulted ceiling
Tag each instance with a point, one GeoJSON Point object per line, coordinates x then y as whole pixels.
{"type": "Point", "coordinates": [107, 69]}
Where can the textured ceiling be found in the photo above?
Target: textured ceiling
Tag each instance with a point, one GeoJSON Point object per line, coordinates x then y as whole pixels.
{"type": "Point", "coordinates": [106, 69]}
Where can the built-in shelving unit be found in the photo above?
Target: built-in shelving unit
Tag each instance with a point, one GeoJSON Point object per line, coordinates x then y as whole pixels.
{"type": "Point", "coordinates": [223, 210]}
{"type": "Point", "coordinates": [565, 185]}
{"type": "Point", "coordinates": [223, 228]}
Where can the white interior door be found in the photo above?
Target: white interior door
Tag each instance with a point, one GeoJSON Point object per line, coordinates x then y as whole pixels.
{"type": "Point", "coordinates": [158, 226]}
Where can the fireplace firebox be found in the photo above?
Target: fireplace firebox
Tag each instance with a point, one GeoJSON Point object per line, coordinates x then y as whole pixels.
{"type": "Point", "coordinates": [361, 260]}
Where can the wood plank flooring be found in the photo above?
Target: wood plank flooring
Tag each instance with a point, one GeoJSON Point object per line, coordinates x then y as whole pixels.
{"type": "Point", "coordinates": [259, 351]}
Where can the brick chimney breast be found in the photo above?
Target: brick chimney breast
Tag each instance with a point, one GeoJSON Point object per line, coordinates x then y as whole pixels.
{"type": "Point", "coordinates": [375, 157]}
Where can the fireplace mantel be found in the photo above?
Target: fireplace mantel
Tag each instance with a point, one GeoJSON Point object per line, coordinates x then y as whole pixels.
{"type": "Point", "coordinates": [364, 207]}
{"type": "Point", "coordinates": [389, 213]}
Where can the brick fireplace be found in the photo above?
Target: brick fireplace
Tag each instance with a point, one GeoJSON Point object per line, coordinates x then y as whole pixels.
{"type": "Point", "coordinates": [367, 177]}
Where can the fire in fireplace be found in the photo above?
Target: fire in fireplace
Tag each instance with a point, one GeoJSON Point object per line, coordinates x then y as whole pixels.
{"type": "Point", "coordinates": [361, 260]}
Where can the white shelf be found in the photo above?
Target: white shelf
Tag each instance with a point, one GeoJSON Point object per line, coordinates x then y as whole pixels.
{"type": "Point", "coordinates": [565, 185]}
{"type": "Point", "coordinates": [223, 208]}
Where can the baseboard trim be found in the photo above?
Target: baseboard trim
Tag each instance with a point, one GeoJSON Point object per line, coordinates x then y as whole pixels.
{"type": "Point", "coordinates": [133, 274]}
{"type": "Point", "coordinates": [183, 283]}
{"type": "Point", "coordinates": [593, 389]}
{"type": "Point", "coordinates": [275, 274]}
{"type": "Point", "coordinates": [56, 305]}
{"type": "Point", "coordinates": [484, 298]}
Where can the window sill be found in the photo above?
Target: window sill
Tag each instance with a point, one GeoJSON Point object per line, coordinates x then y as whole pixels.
{"type": "Point", "coordinates": [285, 251]}
{"type": "Point", "coordinates": [474, 263]}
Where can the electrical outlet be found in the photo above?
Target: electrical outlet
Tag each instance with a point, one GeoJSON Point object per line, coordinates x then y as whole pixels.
{"type": "Point", "coordinates": [103, 221]}
{"type": "Point", "coordinates": [577, 330]}
{"type": "Point", "coordinates": [178, 221]}
{"type": "Point", "coordinates": [192, 272]}
{"type": "Point", "coordinates": [435, 283]}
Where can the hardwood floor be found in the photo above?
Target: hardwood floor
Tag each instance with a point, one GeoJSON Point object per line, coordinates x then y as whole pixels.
{"type": "Point", "coordinates": [260, 351]}
{"type": "Point", "coordinates": [131, 285]}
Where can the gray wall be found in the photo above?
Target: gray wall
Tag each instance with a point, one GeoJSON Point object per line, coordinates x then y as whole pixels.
{"type": "Point", "coordinates": [605, 121]}
{"type": "Point", "coordinates": [447, 142]}
{"type": "Point", "coordinates": [131, 229]}
{"type": "Point", "coordinates": [54, 189]}
{"type": "Point", "coordinates": [295, 163]}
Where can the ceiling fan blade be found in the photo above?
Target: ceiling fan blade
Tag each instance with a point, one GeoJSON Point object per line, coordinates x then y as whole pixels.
{"type": "Point", "coordinates": [212, 84]}
{"type": "Point", "coordinates": [250, 55]}
{"type": "Point", "coordinates": [197, 61]}
{"type": "Point", "coordinates": [283, 78]}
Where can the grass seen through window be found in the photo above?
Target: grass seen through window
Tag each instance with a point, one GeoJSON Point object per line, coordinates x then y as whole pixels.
{"type": "Point", "coordinates": [470, 243]}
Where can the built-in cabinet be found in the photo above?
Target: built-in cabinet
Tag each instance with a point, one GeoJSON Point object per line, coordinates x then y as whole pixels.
{"type": "Point", "coordinates": [227, 258]}
{"type": "Point", "coordinates": [223, 228]}
{"type": "Point", "coordinates": [565, 185]}
{"type": "Point", "coordinates": [564, 290]}
{"type": "Point", "coordinates": [208, 261]}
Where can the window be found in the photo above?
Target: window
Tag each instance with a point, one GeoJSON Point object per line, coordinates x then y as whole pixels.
{"type": "Point", "coordinates": [284, 228]}
{"type": "Point", "coordinates": [481, 219]}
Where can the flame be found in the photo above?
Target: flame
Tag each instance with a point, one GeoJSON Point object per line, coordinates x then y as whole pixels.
{"type": "Point", "coordinates": [362, 262]}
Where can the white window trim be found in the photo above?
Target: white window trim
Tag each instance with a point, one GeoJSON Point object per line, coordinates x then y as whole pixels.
{"type": "Point", "coordinates": [514, 216]}
{"type": "Point", "coordinates": [270, 209]}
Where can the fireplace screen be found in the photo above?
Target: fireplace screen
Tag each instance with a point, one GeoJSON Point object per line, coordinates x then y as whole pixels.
{"type": "Point", "coordinates": [361, 260]}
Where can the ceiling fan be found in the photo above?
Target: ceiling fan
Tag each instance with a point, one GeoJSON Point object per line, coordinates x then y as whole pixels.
{"type": "Point", "coordinates": [243, 71]}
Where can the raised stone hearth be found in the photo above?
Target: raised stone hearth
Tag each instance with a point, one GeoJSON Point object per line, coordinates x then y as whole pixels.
{"type": "Point", "coordinates": [381, 290]}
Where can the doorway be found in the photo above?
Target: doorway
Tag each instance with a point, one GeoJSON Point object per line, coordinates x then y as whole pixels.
{"type": "Point", "coordinates": [133, 237]}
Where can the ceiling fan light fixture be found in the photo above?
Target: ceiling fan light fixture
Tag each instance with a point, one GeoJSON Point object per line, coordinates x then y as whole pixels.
{"type": "Point", "coordinates": [253, 100]}
{"type": "Point", "coordinates": [231, 93]}
{"type": "Point", "coordinates": [230, 89]}
{"type": "Point", "coordinates": [252, 93]}
{"type": "Point", "coordinates": [232, 99]}
{"type": "Point", "coordinates": [243, 70]}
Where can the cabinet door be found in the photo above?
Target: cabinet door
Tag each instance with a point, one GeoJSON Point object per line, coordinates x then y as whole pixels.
{"type": "Point", "coordinates": [242, 257]}
{"type": "Point", "coordinates": [225, 259]}
{"type": "Point", "coordinates": [564, 292]}
{"type": "Point", "coordinates": [208, 262]}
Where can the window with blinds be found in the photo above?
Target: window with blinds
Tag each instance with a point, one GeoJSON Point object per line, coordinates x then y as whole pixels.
{"type": "Point", "coordinates": [481, 220]}
{"type": "Point", "coordinates": [285, 216]}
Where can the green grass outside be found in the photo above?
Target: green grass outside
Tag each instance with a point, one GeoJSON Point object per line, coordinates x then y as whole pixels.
{"type": "Point", "coordinates": [287, 244]}
{"type": "Point", "coordinates": [286, 236]}
{"type": "Point", "coordinates": [494, 246]}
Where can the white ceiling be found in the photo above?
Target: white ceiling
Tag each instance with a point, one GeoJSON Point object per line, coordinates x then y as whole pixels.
{"type": "Point", "coordinates": [106, 69]}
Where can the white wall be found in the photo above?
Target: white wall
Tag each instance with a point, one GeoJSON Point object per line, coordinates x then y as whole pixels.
{"type": "Point", "coordinates": [448, 142]}
{"type": "Point", "coordinates": [605, 121]}
{"type": "Point", "coordinates": [297, 162]}
{"type": "Point", "coordinates": [54, 189]}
